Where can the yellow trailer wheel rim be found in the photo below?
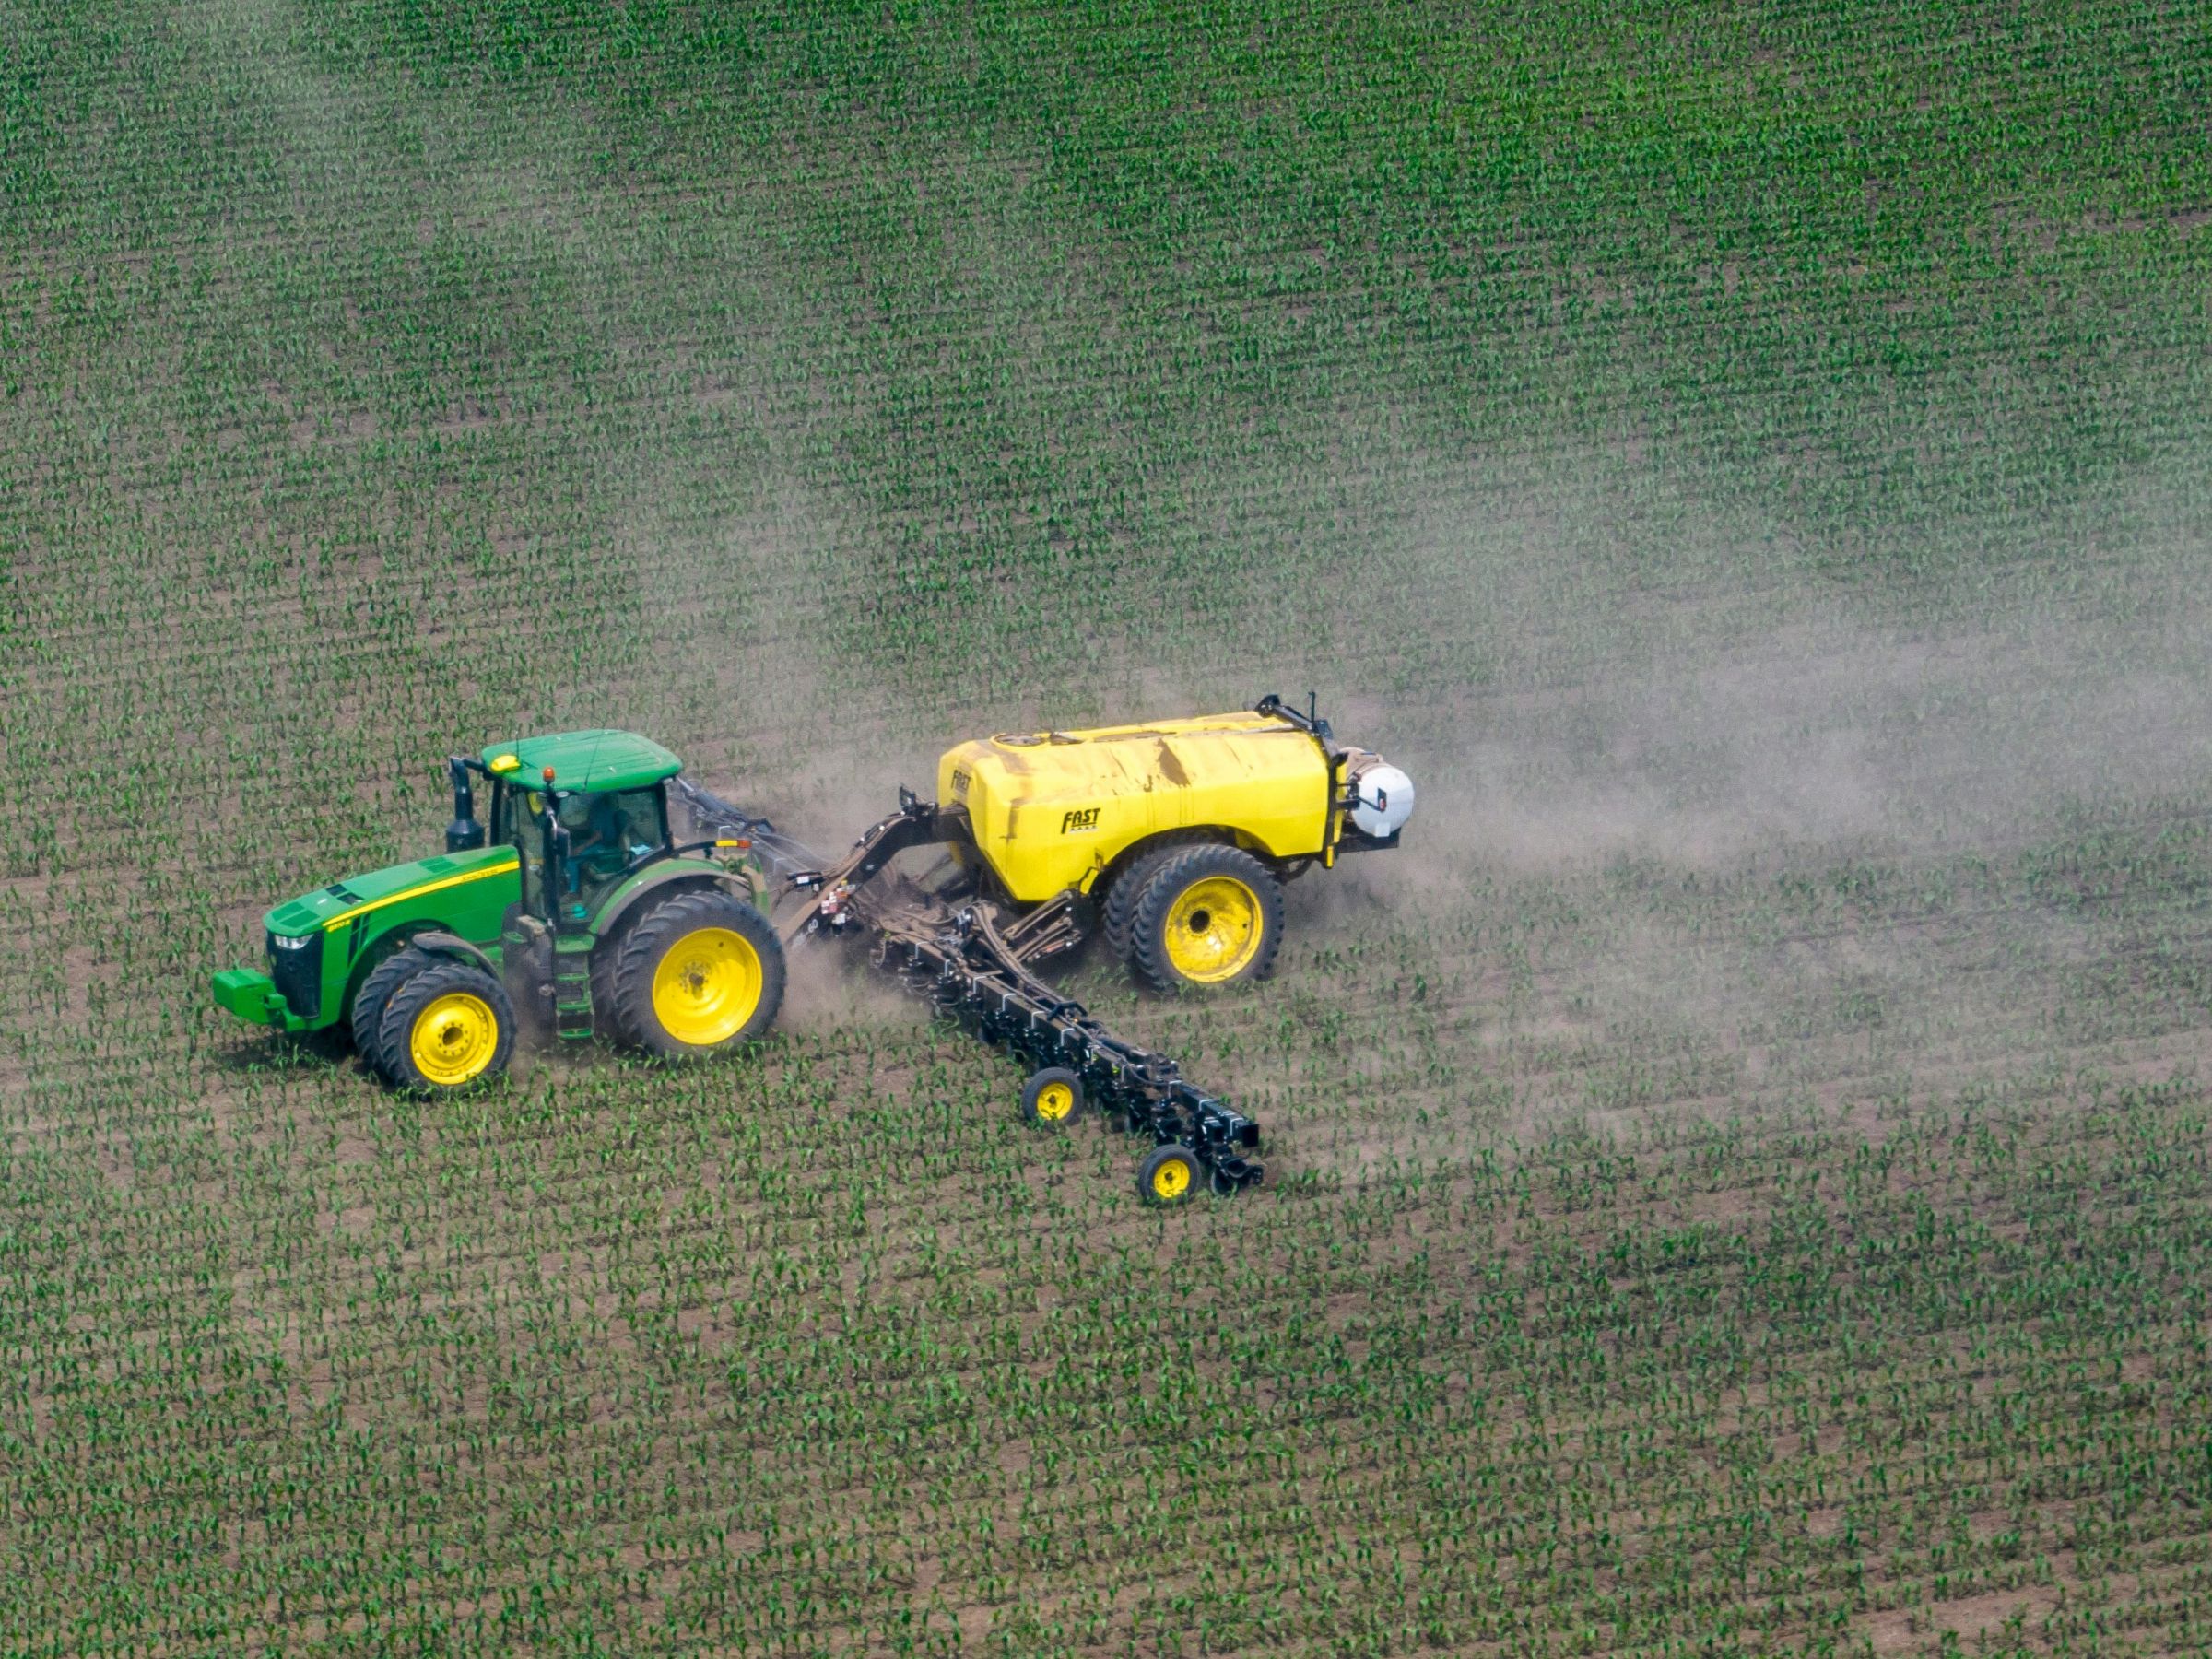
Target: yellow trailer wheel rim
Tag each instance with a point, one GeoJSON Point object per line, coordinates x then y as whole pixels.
{"type": "Point", "coordinates": [1213, 929]}
{"type": "Point", "coordinates": [1171, 1180]}
{"type": "Point", "coordinates": [1055, 1101]}
{"type": "Point", "coordinates": [453, 1038]}
{"type": "Point", "coordinates": [707, 986]}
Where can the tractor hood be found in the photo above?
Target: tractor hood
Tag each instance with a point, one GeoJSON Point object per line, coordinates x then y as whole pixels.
{"type": "Point", "coordinates": [360, 895]}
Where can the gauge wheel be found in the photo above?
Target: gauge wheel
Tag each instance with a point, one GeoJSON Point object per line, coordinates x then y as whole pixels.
{"type": "Point", "coordinates": [446, 1028]}
{"type": "Point", "coordinates": [1169, 1177]}
{"type": "Point", "coordinates": [1209, 916]}
{"type": "Point", "coordinates": [1052, 1098]}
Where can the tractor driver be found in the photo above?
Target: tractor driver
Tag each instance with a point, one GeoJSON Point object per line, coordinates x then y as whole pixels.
{"type": "Point", "coordinates": [599, 847]}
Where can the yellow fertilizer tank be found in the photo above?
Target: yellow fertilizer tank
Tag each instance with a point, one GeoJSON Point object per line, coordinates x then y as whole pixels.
{"type": "Point", "coordinates": [1180, 831]}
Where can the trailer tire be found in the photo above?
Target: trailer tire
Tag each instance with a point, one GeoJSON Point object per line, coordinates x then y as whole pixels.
{"type": "Point", "coordinates": [1209, 916]}
{"type": "Point", "coordinates": [1117, 916]}
{"type": "Point", "coordinates": [450, 1026]}
{"type": "Point", "coordinates": [1169, 1177]}
{"type": "Point", "coordinates": [371, 1001]}
{"type": "Point", "coordinates": [699, 973]}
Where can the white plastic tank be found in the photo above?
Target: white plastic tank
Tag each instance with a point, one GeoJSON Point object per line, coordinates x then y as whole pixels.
{"type": "Point", "coordinates": [1383, 795]}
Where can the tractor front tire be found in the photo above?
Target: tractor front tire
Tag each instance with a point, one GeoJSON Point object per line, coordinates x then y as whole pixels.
{"type": "Point", "coordinates": [699, 973]}
{"type": "Point", "coordinates": [447, 1026]}
{"type": "Point", "coordinates": [375, 996]}
{"type": "Point", "coordinates": [1209, 916]}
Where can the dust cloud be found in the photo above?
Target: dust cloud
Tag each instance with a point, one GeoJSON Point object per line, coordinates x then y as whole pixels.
{"type": "Point", "coordinates": [1741, 824]}
{"type": "Point", "coordinates": [1587, 713]}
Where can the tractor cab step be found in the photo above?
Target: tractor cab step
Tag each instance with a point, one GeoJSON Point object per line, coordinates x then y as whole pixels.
{"type": "Point", "coordinates": [572, 986]}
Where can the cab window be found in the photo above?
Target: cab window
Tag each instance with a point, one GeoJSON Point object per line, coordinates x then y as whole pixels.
{"type": "Point", "coordinates": [608, 831]}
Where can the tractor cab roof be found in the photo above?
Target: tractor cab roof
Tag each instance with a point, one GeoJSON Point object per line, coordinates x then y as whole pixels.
{"type": "Point", "coordinates": [583, 761]}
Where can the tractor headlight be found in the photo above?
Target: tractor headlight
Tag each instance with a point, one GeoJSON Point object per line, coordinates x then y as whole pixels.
{"type": "Point", "coordinates": [281, 942]}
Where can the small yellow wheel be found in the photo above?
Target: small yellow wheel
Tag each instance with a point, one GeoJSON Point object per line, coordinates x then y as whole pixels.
{"type": "Point", "coordinates": [1052, 1098]}
{"type": "Point", "coordinates": [1169, 1177]}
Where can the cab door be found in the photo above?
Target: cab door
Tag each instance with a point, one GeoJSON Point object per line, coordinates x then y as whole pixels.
{"type": "Point", "coordinates": [518, 821]}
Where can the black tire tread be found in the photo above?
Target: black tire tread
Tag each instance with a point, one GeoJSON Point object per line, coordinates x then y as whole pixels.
{"type": "Point", "coordinates": [609, 1015]}
{"type": "Point", "coordinates": [1148, 947]}
{"type": "Point", "coordinates": [1125, 890]}
{"type": "Point", "coordinates": [375, 996]}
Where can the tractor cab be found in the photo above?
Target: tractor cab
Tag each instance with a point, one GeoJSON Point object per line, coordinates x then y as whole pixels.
{"type": "Point", "coordinates": [604, 834]}
{"type": "Point", "coordinates": [582, 809]}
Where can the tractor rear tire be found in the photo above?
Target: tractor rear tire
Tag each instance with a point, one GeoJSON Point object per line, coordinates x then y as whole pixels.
{"type": "Point", "coordinates": [700, 973]}
{"type": "Point", "coordinates": [448, 1027]}
{"type": "Point", "coordinates": [1209, 916]}
{"type": "Point", "coordinates": [608, 1007]}
{"type": "Point", "coordinates": [375, 996]}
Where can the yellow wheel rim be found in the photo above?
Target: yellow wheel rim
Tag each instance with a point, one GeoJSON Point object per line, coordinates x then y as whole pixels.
{"type": "Point", "coordinates": [1171, 1180]}
{"type": "Point", "coordinates": [1055, 1101]}
{"type": "Point", "coordinates": [454, 1038]}
{"type": "Point", "coordinates": [1213, 929]}
{"type": "Point", "coordinates": [707, 986]}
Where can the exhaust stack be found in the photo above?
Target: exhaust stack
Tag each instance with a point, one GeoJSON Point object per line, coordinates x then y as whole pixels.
{"type": "Point", "coordinates": [464, 834]}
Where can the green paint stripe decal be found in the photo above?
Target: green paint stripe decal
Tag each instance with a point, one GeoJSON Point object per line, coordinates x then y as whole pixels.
{"type": "Point", "coordinates": [429, 886]}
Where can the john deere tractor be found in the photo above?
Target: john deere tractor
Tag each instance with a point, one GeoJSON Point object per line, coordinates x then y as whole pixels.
{"type": "Point", "coordinates": [579, 910]}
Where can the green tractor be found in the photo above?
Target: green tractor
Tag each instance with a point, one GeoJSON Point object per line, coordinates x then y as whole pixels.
{"type": "Point", "coordinates": [576, 913]}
